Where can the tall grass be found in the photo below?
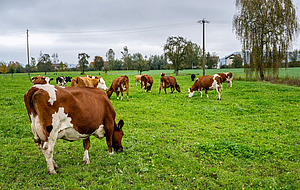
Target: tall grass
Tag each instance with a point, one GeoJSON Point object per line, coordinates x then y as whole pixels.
{"type": "Point", "coordinates": [249, 139]}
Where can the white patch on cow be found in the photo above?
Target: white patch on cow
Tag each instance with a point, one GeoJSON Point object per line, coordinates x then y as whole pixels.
{"type": "Point", "coordinates": [47, 79]}
{"type": "Point", "coordinates": [100, 132]}
{"type": "Point", "coordinates": [101, 84]}
{"type": "Point", "coordinates": [191, 93]}
{"type": "Point", "coordinates": [64, 128]}
{"type": "Point", "coordinates": [123, 87]}
{"type": "Point", "coordinates": [37, 129]}
{"type": "Point", "coordinates": [216, 75]}
{"type": "Point", "coordinates": [50, 89]}
{"type": "Point", "coordinates": [86, 158]}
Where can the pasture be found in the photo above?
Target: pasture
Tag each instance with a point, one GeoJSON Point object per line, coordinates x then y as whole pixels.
{"type": "Point", "coordinates": [248, 139]}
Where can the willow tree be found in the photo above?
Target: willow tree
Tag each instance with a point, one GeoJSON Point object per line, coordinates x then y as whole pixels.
{"type": "Point", "coordinates": [266, 29]}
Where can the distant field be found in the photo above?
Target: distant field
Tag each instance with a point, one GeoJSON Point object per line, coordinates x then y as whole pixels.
{"type": "Point", "coordinates": [249, 139]}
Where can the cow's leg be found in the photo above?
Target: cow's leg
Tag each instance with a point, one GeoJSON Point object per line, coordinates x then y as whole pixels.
{"type": "Point", "coordinates": [121, 94]}
{"type": "Point", "coordinates": [47, 149]}
{"type": "Point", "coordinates": [172, 89]}
{"type": "Point", "coordinates": [149, 90]}
{"type": "Point", "coordinates": [117, 93]}
{"type": "Point", "coordinates": [206, 94]}
{"type": "Point", "coordinates": [86, 145]}
{"type": "Point", "coordinates": [201, 93]}
{"type": "Point", "coordinates": [127, 94]}
{"type": "Point", "coordinates": [219, 93]}
{"type": "Point", "coordinates": [165, 87]}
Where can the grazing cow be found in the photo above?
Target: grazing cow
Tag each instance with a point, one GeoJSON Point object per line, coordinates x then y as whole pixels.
{"type": "Point", "coordinates": [62, 81]}
{"type": "Point", "coordinates": [193, 77]}
{"type": "Point", "coordinates": [226, 77]}
{"type": "Point", "coordinates": [146, 83]}
{"type": "Point", "coordinates": [63, 113]}
{"type": "Point", "coordinates": [89, 82]}
{"type": "Point", "coordinates": [206, 83]}
{"type": "Point", "coordinates": [119, 85]}
{"type": "Point", "coordinates": [169, 81]}
{"type": "Point", "coordinates": [41, 80]}
{"type": "Point", "coordinates": [137, 79]}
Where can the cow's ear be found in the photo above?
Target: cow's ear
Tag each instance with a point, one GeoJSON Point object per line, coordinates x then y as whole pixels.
{"type": "Point", "coordinates": [51, 79]}
{"type": "Point", "coordinates": [120, 124]}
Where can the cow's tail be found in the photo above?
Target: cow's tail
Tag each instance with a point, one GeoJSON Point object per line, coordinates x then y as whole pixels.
{"type": "Point", "coordinates": [28, 99]}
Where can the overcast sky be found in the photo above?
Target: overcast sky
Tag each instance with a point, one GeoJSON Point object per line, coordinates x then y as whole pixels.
{"type": "Point", "coordinates": [70, 27]}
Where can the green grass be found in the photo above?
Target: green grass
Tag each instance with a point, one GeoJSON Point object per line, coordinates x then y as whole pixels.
{"type": "Point", "coordinates": [249, 139]}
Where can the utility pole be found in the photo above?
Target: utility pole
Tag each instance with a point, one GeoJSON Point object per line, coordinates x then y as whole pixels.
{"type": "Point", "coordinates": [203, 21]}
{"type": "Point", "coordinates": [28, 56]}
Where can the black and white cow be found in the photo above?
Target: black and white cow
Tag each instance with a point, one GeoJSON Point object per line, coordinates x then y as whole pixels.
{"type": "Point", "coordinates": [62, 81]}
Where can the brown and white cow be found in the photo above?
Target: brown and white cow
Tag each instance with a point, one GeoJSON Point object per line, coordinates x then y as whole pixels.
{"type": "Point", "coordinates": [89, 82]}
{"type": "Point", "coordinates": [93, 77]}
{"type": "Point", "coordinates": [169, 81]}
{"type": "Point", "coordinates": [119, 84]}
{"type": "Point", "coordinates": [40, 80]}
{"type": "Point", "coordinates": [146, 83]}
{"type": "Point", "coordinates": [63, 113]}
{"type": "Point", "coordinates": [226, 77]}
{"type": "Point", "coordinates": [137, 79]}
{"type": "Point", "coordinates": [206, 83]}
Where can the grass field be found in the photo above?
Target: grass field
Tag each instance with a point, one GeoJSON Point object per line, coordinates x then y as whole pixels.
{"type": "Point", "coordinates": [248, 140]}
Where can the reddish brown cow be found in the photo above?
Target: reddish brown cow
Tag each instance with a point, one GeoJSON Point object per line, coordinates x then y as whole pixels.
{"type": "Point", "coordinates": [89, 82]}
{"type": "Point", "coordinates": [137, 79]}
{"type": "Point", "coordinates": [169, 81]}
{"type": "Point", "coordinates": [206, 83]}
{"type": "Point", "coordinates": [119, 85]}
{"type": "Point", "coordinates": [226, 77]}
{"type": "Point", "coordinates": [41, 80]}
{"type": "Point", "coordinates": [64, 113]}
{"type": "Point", "coordinates": [146, 83]}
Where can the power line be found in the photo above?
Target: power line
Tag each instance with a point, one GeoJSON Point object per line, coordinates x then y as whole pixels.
{"type": "Point", "coordinates": [110, 31]}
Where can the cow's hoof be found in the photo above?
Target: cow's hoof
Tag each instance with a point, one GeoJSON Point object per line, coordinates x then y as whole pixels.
{"type": "Point", "coordinates": [87, 161]}
{"type": "Point", "coordinates": [51, 172]}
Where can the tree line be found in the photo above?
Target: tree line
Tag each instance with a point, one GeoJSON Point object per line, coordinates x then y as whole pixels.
{"type": "Point", "coordinates": [179, 54]}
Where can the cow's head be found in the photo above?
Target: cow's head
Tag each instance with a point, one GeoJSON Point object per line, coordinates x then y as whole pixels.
{"type": "Point", "coordinates": [178, 88]}
{"type": "Point", "coordinates": [101, 84]}
{"type": "Point", "coordinates": [191, 93]}
{"type": "Point", "coordinates": [40, 80]}
{"type": "Point", "coordinates": [61, 81]}
{"type": "Point", "coordinates": [117, 137]}
{"type": "Point", "coordinates": [109, 93]}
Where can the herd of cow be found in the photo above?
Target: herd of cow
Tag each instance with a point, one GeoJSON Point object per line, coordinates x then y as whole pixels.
{"type": "Point", "coordinates": [77, 112]}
